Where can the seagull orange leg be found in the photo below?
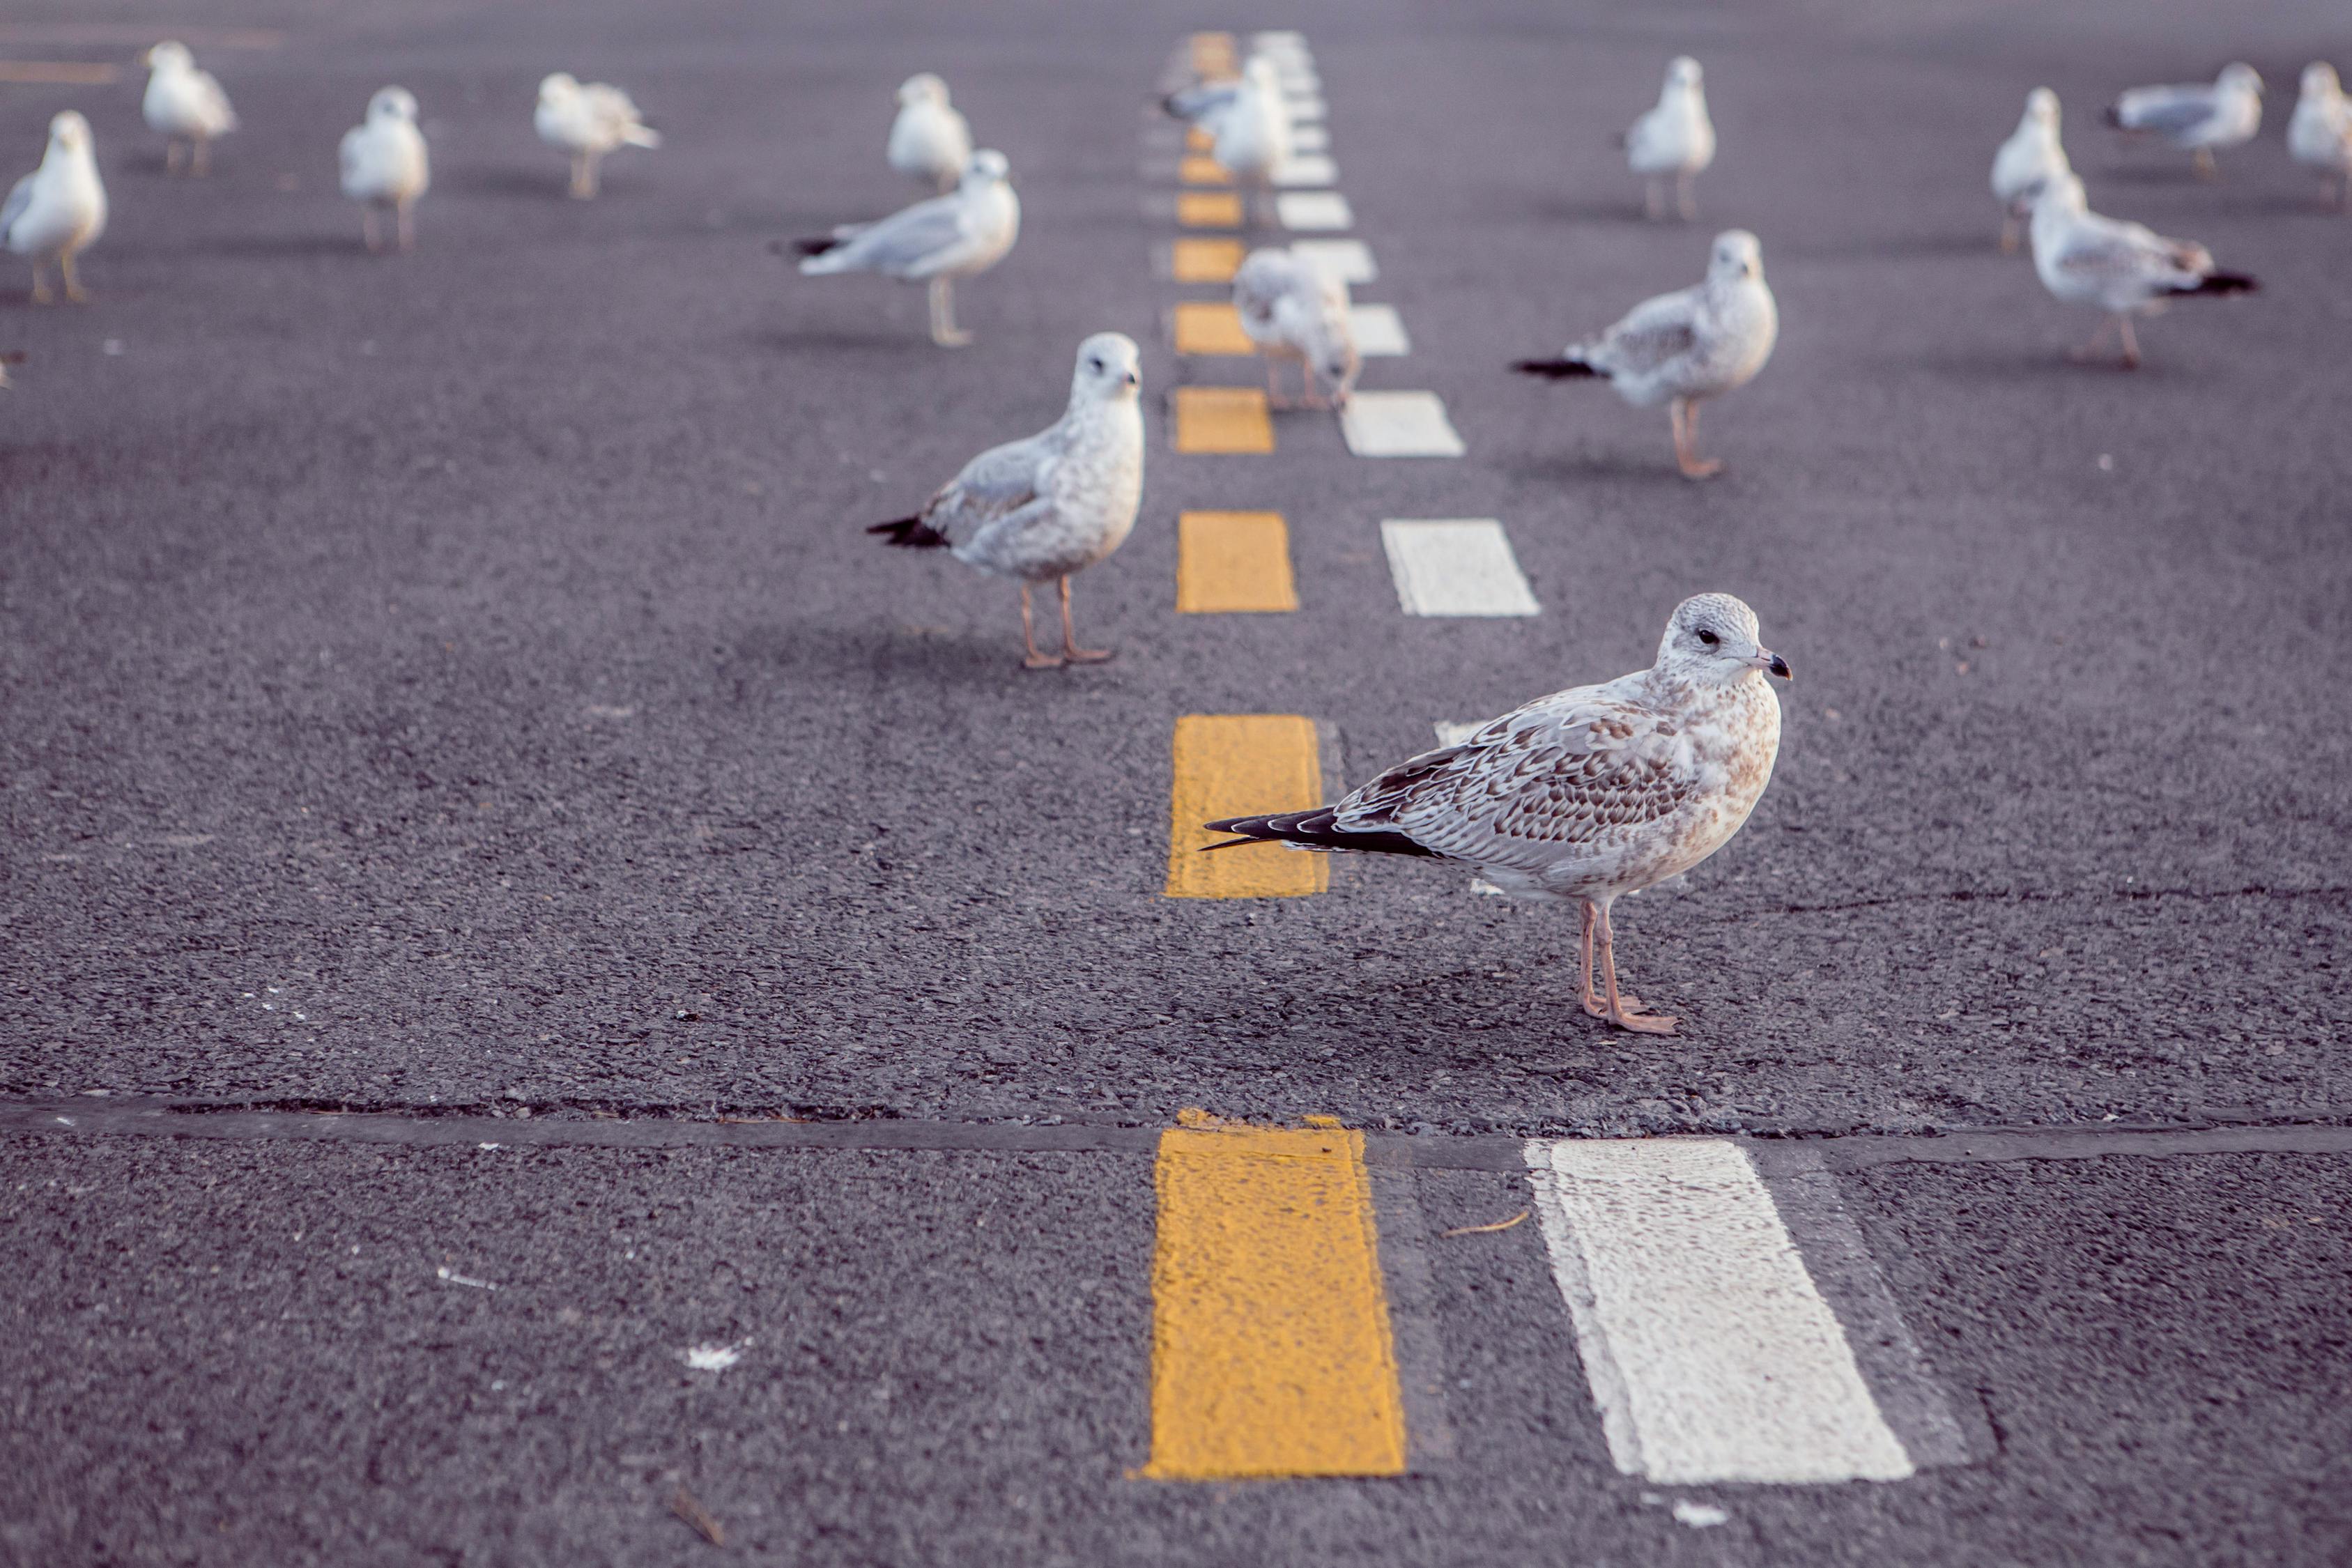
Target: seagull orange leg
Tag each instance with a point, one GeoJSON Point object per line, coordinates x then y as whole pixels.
{"type": "Point", "coordinates": [73, 291]}
{"type": "Point", "coordinates": [1070, 648]}
{"type": "Point", "coordinates": [1625, 1010]}
{"type": "Point", "coordinates": [1684, 413]}
{"type": "Point", "coordinates": [2131, 343]}
{"type": "Point", "coordinates": [1029, 640]}
{"type": "Point", "coordinates": [1591, 998]}
{"type": "Point", "coordinates": [2090, 351]}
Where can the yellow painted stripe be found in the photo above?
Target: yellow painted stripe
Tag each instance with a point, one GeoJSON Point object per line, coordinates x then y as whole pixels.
{"type": "Point", "coordinates": [1214, 55]}
{"type": "Point", "coordinates": [1233, 563]}
{"type": "Point", "coordinates": [1211, 327]}
{"type": "Point", "coordinates": [1209, 209]}
{"type": "Point", "coordinates": [1197, 140]}
{"type": "Point", "coordinates": [1270, 1351]}
{"type": "Point", "coordinates": [1221, 419]}
{"type": "Point", "coordinates": [1200, 171]}
{"type": "Point", "coordinates": [66, 73]}
{"type": "Point", "coordinates": [1205, 260]}
{"type": "Point", "coordinates": [1242, 765]}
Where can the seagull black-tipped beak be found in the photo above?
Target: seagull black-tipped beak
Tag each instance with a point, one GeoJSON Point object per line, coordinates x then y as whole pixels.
{"type": "Point", "coordinates": [1780, 667]}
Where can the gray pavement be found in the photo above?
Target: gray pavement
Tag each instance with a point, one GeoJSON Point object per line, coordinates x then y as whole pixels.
{"type": "Point", "coordinates": [460, 681]}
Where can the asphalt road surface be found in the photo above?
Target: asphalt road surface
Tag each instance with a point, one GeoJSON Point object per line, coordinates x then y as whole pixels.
{"type": "Point", "coordinates": [455, 691]}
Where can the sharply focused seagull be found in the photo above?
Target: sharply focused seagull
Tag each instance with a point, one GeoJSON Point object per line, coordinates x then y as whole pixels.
{"type": "Point", "coordinates": [57, 211]}
{"type": "Point", "coordinates": [588, 123]}
{"type": "Point", "coordinates": [2032, 156]}
{"type": "Point", "coordinates": [1039, 509]}
{"type": "Point", "coordinates": [1683, 348]}
{"type": "Point", "coordinates": [186, 105]}
{"type": "Point", "coordinates": [1587, 795]}
{"type": "Point", "coordinates": [934, 242]}
{"type": "Point", "coordinates": [2320, 135]}
{"type": "Point", "coordinates": [2123, 269]}
{"type": "Point", "coordinates": [2199, 118]}
{"type": "Point", "coordinates": [929, 139]}
{"type": "Point", "coordinates": [385, 166]}
{"type": "Point", "coordinates": [1292, 310]}
{"type": "Point", "coordinates": [1674, 138]}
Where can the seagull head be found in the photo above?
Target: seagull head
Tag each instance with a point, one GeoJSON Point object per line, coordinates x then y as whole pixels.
{"type": "Point", "coordinates": [923, 87]}
{"type": "Point", "coordinates": [169, 55]}
{"type": "Point", "coordinates": [987, 167]}
{"type": "Point", "coordinates": [2319, 80]}
{"type": "Point", "coordinates": [1736, 258]}
{"type": "Point", "coordinates": [559, 87]}
{"type": "Point", "coordinates": [1683, 72]}
{"type": "Point", "coordinates": [392, 103]}
{"type": "Point", "coordinates": [70, 133]}
{"type": "Point", "coordinates": [1712, 641]}
{"type": "Point", "coordinates": [1110, 369]}
{"type": "Point", "coordinates": [2239, 76]}
{"type": "Point", "coordinates": [2042, 107]}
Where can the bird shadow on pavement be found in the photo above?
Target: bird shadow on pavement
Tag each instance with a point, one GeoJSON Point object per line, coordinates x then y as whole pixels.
{"type": "Point", "coordinates": [910, 340]}
{"type": "Point", "coordinates": [1589, 464]}
{"type": "Point", "coordinates": [837, 654]}
{"type": "Point", "coordinates": [265, 244]}
{"type": "Point", "coordinates": [501, 180]}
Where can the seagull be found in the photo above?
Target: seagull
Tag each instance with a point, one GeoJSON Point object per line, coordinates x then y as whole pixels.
{"type": "Point", "coordinates": [1292, 310]}
{"type": "Point", "coordinates": [57, 211]}
{"type": "Point", "coordinates": [1589, 794]}
{"type": "Point", "coordinates": [1683, 348]}
{"type": "Point", "coordinates": [185, 104]}
{"type": "Point", "coordinates": [2122, 267]}
{"type": "Point", "coordinates": [1674, 138]}
{"type": "Point", "coordinates": [2031, 154]}
{"type": "Point", "coordinates": [2199, 118]}
{"type": "Point", "coordinates": [1042, 509]}
{"type": "Point", "coordinates": [2320, 135]}
{"type": "Point", "coordinates": [1248, 122]}
{"type": "Point", "coordinates": [385, 166]}
{"type": "Point", "coordinates": [960, 234]}
{"type": "Point", "coordinates": [588, 123]}
{"type": "Point", "coordinates": [929, 139]}
{"type": "Point", "coordinates": [12, 356]}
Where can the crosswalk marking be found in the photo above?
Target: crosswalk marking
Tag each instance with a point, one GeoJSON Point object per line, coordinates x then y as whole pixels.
{"type": "Point", "coordinates": [1307, 106]}
{"type": "Point", "coordinates": [1380, 330]}
{"type": "Point", "coordinates": [1221, 419]}
{"type": "Point", "coordinates": [1201, 170]}
{"type": "Point", "coordinates": [1306, 168]}
{"type": "Point", "coordinates": [1709, 1351]}
{"type": "Point", "coordinates": [1272, 1352]}
{"type": "Point", "coordinates": [1209, 209]}
{"type": "Point", "coordinates": [1204, 260]}
{"type": "Point", "coordinates": [1309, 139]}
{"type": "Point", "coordinates": [1209, 327]}
{"type": "Point", "coordinates": [1455, 566]}
{"type": "Point", "coordinates": [1399, 424]}
{"type": "Point", "coordinates": [1311, 211]}
{"type": "Point", "coordinates": [1349, 261]}
{"type": "Point", "coordinates": [1233, 563]}
{"type": "Point", "coordinates": [1237, 764]}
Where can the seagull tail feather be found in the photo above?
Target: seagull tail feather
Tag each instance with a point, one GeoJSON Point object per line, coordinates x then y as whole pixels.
{"type": "Point", "coordinates": [642, 136]}
{"type": "Point", "coordinates": [1316, 829]}
{"type": "Point", "coordinates": [2223, 283]}
{"type": "Point", "coordinates": [909, 533]}
{"type": "Point", "coordinates": [1561, 369]}
{"type": "Point", "coordinates": [2115, 117]}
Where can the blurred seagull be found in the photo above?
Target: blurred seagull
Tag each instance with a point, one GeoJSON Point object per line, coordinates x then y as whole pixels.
{"type": "Point", "coordinates": [13, 356]}
{"type": "Point", "coordinates": [1587, 794]}
{"type": "Point", "coordinates": [2031, 154]}
{"type": "Point", "coordinates": [960, 234]}
{"type": "Point", "coordinates": [186, 105]}
{"type": "Point", "coordinates": [385, 164]}
{"type": "Point", "coordinates": [588, 123]}
{"type": "Point", "coordinates": [1039, 509]}
{"type": "Point", "coordinates": [929, 139]}
{"type": "Point", "coordinates": [1683, 348]}
{"type": "Point", "coordinates": [1674, 138]}
{"type": "Point", "coordinates": [1248, 122]}
{"type": "Point", "coordinates": [2320, 135]}
{"type": "Point", "coordinates": [2199, 118]}
{"type": "Point", "coordinates": [2122, 267]}
{"type": "Point", "coordinates": [1292, 310]}
{"type": "Point", "coordinates": [57, 211]}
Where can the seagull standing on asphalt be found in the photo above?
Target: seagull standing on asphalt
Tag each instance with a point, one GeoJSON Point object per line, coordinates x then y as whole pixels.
{"type": "Point", "coordinates": [934, 242]}
{"type": "Point", "coordinates": [385, 166]}
{"type": "Point", "coordinates": [185, 104]}
{"type": "Point", "coordinates": [2320, 135]}
{"type": "Point", "coordinates": [2032, 156]}
{"type": "Point", "coordinates": [1674, 138]}
{"type": "Point", "coordinates": [588, 123]}
{"type": "Point", "coordinates": [1294, 311]}
{"type": "Point", "coordinates": [2123, 269]}
{"type": "Point", "coordinates": [1683, 348]}
{"type": "Point", "coordinates": [1248, 124]}
{"type": "Point", "coordinates": [57, 211]}
{"type": "Point", "coordinates": [929, 139]}
{"type": "Point", "coordinates": [1587, 795]}
{"type": "Point", "coordinates": [2199, 118]}
{"type": "Point", "coordinates": [1040, 510]}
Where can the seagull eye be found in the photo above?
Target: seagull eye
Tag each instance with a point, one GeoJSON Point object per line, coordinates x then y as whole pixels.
{"type": "Point", "coordinates": [1094, 365]}
{"type": "Point", "coordinates": [1708, 638]}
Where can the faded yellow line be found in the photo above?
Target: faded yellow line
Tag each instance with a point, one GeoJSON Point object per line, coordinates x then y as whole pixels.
{"type": "Point", "coordinates": [1209, 209]}
{"type": "Point", "coordinates": [1210, 327]}
{"type": "Point", "coordinates": [1221, 419]}
{"type": "Point", "coordinates": [1197, 170]}
{"type": "Point", "coordinates": [1270, 1351]}
{"type": "Point", "coordinates": [66, 73]}
{"type": "Point", "coordinates": [1240, 764]}
{"type": "Point", "coordinates": [1214, 55]}
{"type": "Point", "coordinates": [1204, 260]}
{"type": "Point", "coordinates": [1197, 140]}
{"type": "Point", "coordinates": [132, 35]}
{"type": "Point", "coordinates": [1230, 563]}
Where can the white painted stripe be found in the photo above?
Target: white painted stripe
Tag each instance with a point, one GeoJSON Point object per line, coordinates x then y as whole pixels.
{"type": "Point", "coordinates": [1399, 424]}
{"type": "Point", "coordinates": [1309, 139]}
{"type": "Point", "coordinates": [1314, 210]}
{"type": "Point", "coordinates": [1279, 40]}
{"type": "Point", "coordinates": [1708, 1350]}
{"type": "Point", "coordinates": [1307, 169]}
{"type": "Point", "coordinates": [1304, 107]}
{"type": "Point", "coordinates": [1298, 80]}
{"type": "Point", "coordinates": [1380, 330]}
{"type": "Point", "coordinates": [1455, 566]}
{"type": "Point", "coordinates": [1349, 261]}
{"type": "Point", "coordinates": [1450, 734]}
